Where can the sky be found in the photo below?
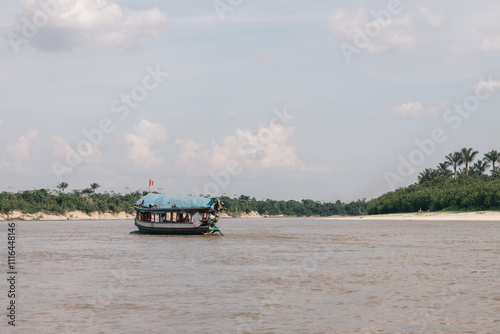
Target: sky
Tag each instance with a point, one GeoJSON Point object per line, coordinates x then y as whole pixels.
{"type": "Point", "coordinates": [280, 99]}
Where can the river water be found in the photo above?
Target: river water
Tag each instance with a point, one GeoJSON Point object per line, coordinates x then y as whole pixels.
{"type": "Point", "coordinates": [264, 276]}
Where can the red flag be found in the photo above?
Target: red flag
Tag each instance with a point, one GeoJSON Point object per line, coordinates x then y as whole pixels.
{"type": "Point", "coordinates": [152, 182]}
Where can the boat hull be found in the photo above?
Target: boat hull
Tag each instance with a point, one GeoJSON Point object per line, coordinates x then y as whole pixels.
{"type": "Point", "coordinates": [170, 228]}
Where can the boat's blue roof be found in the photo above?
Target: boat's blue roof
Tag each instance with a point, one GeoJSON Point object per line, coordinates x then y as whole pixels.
{"type": "Point", "coordinates": [162, 201]}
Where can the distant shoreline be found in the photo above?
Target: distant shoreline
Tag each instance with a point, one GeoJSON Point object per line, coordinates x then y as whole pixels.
{"type": "Point", "coordinates": [428, 216]}
{"type": "Point", "coordinates": [80, 215]}
{"type": "Point", "coordinates": [417, 216]}
{"type": "Point", "coordinates": [72, 215]}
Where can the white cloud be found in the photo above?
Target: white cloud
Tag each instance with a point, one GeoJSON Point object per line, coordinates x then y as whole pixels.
{"type": "Point", "coordinates": [432, 19]}
{"type": "Point", "coordinates": [405, 110]}
{"type": "Point", "coordinates": [490, 45]}
{"type": "Point", "coordinates": [489, 85]}
{"type": "Point", "coordinates": [62, 150]}
{"type": "Point", "coordinates": [374, 35]}
{"type": "Point", "coordinates": [76, 24]}
{"type": "Point", "coordinates": [142, 153]}
{"type": "Point", "coordinates": [435, 110]}
{"type": "Point", "coordinates": [413, 110]}
{"type": "Point", "coordinates": [472, 30]}
{"type": "Point", "coordinates": [476, 46]}
{"type": "Point", "coordinates": [189, 155]}
{"type": "Point", "coordinates": [265, 148]}
{"type": "Point", "coordinates": [484, 87]}
{"type": "Point", "coordinates": [20, 151]}
{"type": "Point", "coordinates": [433, 27]}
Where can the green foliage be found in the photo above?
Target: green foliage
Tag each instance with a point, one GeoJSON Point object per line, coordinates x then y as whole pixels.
{"type": "Point", "coordinates": [94, 186]}
{"type": "Point", "coordinates": [476, 192]}
{"type": "Point", "coordinates": [307, 207]}
{"type": "Point", "coordinates": [42, 200]}
{"type": "Point", "coordinates": [468, 188]}
{"type": "Point", "coordinates": [62, 186]}
{"type": "Point", "coordinates": [492, 157]}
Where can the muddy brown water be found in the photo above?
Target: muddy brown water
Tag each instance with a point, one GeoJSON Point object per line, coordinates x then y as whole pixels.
{"type": "Point", "coordinates": [282, 275]}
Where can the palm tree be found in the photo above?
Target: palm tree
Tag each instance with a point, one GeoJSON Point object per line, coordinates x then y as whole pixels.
{"type": "Point", "coordinates": [479, 168]}
{"type": "Point", "coordinates": [461, 171]}
{"type": "Point", "coordinates": [428, 174]}
{"type": "Point", "coordinates": [94, 186]}
{"type": "Point", "coordinates": [443, 170]}
{"type": "Point", "coordinates": [62, 186]}
{"type": "Point", "coordinates": [492, 157]}
{"type": "Point", "coordinates": [454, 159]}
{"type": "Point", "coordinates": [467, 156]}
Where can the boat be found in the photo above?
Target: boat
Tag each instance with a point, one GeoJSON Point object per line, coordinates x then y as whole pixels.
{"type": "Point", "coordinates": [165, 214]}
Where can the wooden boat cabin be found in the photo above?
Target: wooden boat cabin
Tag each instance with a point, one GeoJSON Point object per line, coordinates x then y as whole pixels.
{"type": "Point", "coordinates": [164, 214]}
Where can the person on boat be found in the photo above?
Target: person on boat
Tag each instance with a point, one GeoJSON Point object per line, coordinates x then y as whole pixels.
{"type": "Point", "coordinates": [197, 219]}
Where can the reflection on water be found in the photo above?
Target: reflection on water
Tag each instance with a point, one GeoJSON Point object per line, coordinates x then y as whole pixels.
{"type": "Point", "coordinates": [264, 276]}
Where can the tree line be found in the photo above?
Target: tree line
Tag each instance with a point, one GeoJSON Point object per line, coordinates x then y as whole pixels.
{"type": "Point", "coordinates": [306, 207]}
{"type": "Point", "coordinates": [460, 183]}
{"type": "Point", "coordinates": [88, 201]}
{"type": "Point", "coordinates": [450, 168]}
{"type": "Point", "coordinates": [59, 202]}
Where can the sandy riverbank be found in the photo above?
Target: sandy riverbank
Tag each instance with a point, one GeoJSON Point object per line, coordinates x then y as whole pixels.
{"type": "Point", "coordinates": [79, 215]}
{"type": "Point", "coordinates": [73, 215]}
{"type": "Point", "coordinates": [252, 214]}
{"type": "Point", "coordinates": [430, 216]}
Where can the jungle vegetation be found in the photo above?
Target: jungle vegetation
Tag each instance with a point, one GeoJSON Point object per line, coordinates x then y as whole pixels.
{"type": "Point", "coordinates": [459, 183]}
{"type": "Point", "coordinates": [88, 201]}
{"type": "Point", "coordinates": [47, 201]}
{"type": "Point", "coordinates": [306, 207]}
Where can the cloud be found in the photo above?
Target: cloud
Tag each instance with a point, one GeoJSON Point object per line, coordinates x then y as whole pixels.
{"type": "Point", "coordinates": [432, 19]}
{"type": "Point", "coordinates": [63, 151]}
{"type": "Point", "coordinates": [81, 24]}
{"type": "Point", "coordinates": [189, 155]}
{"type": "Point", "coordinates": [60, 149]}
{"type": "Point", "coordinates": [20, 151]}
{"type": "Point", "coordinates": [141, 154]}
{"type": "Point", "coordinates": [490, 44]}
{"type": "Point", "coordinates": [413, 110]}
{"type": "Point", "coordinates": [475, 33]}
{"type": "Point", "coordinates": [489, 85]}
{"type": "Point", "coordinates": [264, 148]}
{"type": "Point", "coordinates": [417, 110]}
{"type": "Point", "coordinates": [476, 46]}
{"type": "Point", "coordinates": [373, 34]}
{"type": "Point", "coordinates": [435, 110]}
{"type": "Point", "coordinates": [432, 27]}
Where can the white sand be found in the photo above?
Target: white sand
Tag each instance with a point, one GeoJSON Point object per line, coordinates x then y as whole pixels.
{"type": "Point", "coordinates": [73, 215]}
{"type": "Point", "coordinates": [79, 215]}
{"type": "Point", "coordinates": [251, 214]}
{"type": "Point", "coordinates": [429, 216]}
{"type": "Point", "coordinates": [433, 216]}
